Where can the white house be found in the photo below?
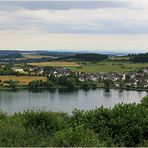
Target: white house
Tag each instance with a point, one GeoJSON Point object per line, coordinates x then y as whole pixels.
{"type": "Point", "coordinates": [18, 69]}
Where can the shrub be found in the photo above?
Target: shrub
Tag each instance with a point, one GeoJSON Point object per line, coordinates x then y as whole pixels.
{"type": "Point", "coordinates": [45, 121]}
{"type": "Point", "coordinates": [78, 136]}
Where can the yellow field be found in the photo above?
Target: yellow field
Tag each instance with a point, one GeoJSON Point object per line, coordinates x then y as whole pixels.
{"type": "Point", "coordinates": [32, 57]}
{"type": "Point", "coordinates": [56, 64]}
{"type": "Point", "coordinates": [22, 79]}
{"type": "Point", "coordinates": [35, 57]}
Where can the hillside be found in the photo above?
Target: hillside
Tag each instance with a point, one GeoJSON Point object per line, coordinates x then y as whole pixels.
{"type": "Point", "coordinates": [140, 58]}
{"type": "Point", "coordinates": [90, 57]}
{"type": "Point", "coordinates": [11, 55]}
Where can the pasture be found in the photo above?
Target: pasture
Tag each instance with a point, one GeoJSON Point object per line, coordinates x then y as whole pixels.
{"type": "Point", "coordinates": [92, 67]}
{"type": "Point", "coordinates": [107, 66]}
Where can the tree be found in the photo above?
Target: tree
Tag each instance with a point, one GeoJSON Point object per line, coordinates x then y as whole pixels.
{"type": "Point", "coordinates": [13, 84]}
{"type": "Point", "coordinates": [52, 78]}
{"type": "Point", "coordinates": [107, 83]}
{"type": "Point", "coordinates": [75, 137]}
{"type": "Point", "coordinates": [86, 85]}
{"type": "Point", "coordinates": [71, 83]}
{"type": "Point", "coordinates": [144, 101]}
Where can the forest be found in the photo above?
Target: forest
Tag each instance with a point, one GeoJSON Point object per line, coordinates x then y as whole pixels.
{"type": "Point", "coordinates": [123, 125]}
{"type": "Point", "coordinates": [140, 58]}
{"type": "Point", "coordinates": [91, 57]}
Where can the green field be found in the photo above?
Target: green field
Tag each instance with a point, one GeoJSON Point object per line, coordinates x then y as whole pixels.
{"type": "Point", "coordinates": [105, 66]}
{"type": "Point", "coordinates": [108, 66]}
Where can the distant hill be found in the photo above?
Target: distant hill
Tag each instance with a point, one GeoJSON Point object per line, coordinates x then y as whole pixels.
{"type": "Point", "coordinates": [52, 53]}
{"type": "Point", "coordinates": [7, 52]}
{"type": "Point", "coordinates": [140, 58]}
{"type": "Point", "coordinates": [92, 57]}
{"type": "Point", "coordinates": [10, 55]}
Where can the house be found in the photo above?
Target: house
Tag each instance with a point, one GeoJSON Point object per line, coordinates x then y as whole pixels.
{"type": "Point", "coordinates": [117, 85]}
{"type": "Point", "coordinates": [18, 69]}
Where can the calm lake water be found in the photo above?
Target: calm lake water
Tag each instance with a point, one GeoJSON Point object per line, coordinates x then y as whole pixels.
{"type": "Point", "coordinates": [15, 101]}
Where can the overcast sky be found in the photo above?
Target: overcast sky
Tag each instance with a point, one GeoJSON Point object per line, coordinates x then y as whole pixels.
{"type": "Point", "coordinates": [75, 25]}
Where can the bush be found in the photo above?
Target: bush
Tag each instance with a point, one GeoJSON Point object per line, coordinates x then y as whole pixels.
{"type": "Point", "coordinates": [123, 125]}
{"type": "Point", "coordinates": [75, 137]}
{"type": "Point", "coordinates": [45, 121]}
{"type": "Point", "coordinates": [144, 101]}
{"type": "Point", "coordinates": [2, 115]}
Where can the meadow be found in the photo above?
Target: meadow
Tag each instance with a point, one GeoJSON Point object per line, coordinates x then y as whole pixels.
{"type": "Point", "coordinates": [108, 66]}
{"type": "Point", "coordinates": [94, 67]}
{"type": "Point", "coordinates": [22, 79]}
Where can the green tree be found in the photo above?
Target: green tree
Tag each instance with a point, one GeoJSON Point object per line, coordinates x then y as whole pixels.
{"type": "Point", "coordinates": [86, 85]}
{"type": "Point", "coordinates": [71, 83]}
{"type": "Point", "coordinates": [75, 137]}
{"type": "Point", "coordinates": [107, 83]}
{"type": "Point", "coordinates": [52, 78]}
{"type": "Point", "coordinates": [13, 84]}
{"type": "Point", "coordinates": [144, 101]}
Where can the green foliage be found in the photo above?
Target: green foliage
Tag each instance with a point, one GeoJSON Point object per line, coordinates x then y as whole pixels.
{"type": "Point", "coordinates": [75, 137]}
{"type": "Point", "coordinates": [35, 84]}
{"type": "Point", "coordinates": [45, 121]}
{"type": "Point", "coordinates": [107, 83]}
{"type": "Point", "coordinates": [7, 71]}
{"type": "Point", "coordinates": [2, 115]}
{"type": "Point", "coordinates": [52, 78]}
{"type": "Point", "coordinates": [13, 84]}
{"type": "Point", "coordinates": [124, 125]}
{"type": "Point", "coordinates": [71, 83]}
{"type": "Point", "coordinates": [91, 57]}
{"type": "Point", "coordinates": [88, 85]}
{"type": "Point", "coordinates": [11, 56]}
{"type": "Point", "coordinates": [86, 57]}
{"type": "Point", "coordinates": [140, 58]}
{"type": "Point", "coordinates": [144, 101]}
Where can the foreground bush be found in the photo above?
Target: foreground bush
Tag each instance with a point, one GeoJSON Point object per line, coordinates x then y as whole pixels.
{"type": "Point", "coordinates": [123, 125]}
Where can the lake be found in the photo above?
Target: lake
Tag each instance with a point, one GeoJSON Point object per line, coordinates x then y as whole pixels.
{"type": "Point", "coordinates": [15, 101]}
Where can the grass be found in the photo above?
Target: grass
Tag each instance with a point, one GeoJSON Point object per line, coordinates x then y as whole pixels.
{"type": "Point", "coordinates": [22, 79]}
{"type": "Point", "coordinates": [56, 64]}
{"type": "Point", "coordinates": [107, 66]}
{"type": "Point", "coordinates": [119, 58]}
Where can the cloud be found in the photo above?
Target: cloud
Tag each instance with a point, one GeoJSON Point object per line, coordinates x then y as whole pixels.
{"type": "Point", "coordinates": [61, 5]}
{"type": "Point", "coordinates": [100, 20]}
{"type": "Point", "coordinates": [69, 25]}
{"type": "Point", "coordinates": [40, 40]}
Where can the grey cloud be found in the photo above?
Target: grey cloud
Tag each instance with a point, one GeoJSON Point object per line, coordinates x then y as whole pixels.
{"type": "Point", "coordinates": [109, 26]}
{"type": "Point", "coordinates": [61, 5]}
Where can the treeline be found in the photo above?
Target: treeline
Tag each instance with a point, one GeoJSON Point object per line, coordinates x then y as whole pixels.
{"type": "Point", "coordinates": [7, 71]}
{"type": "Point", "coordinates": [91, 57]}
{"type": "Point", "coordinates": [70, 82]}
{"type": "Point", "coordinates": [11, 56]}
{"type": "Point", "coordinates": [125, 125]}
{"type": "Point", "coordinates": [139, 57]}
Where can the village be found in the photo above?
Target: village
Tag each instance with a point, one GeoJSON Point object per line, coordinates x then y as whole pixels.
{"type": "Point", "coordinates": [134, 79]}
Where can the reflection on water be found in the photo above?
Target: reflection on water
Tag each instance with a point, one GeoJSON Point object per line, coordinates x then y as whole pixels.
{"type": "Point", "coordinates": [107, 93]}
{"type": "Point", "coordinates": [64, 100]}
